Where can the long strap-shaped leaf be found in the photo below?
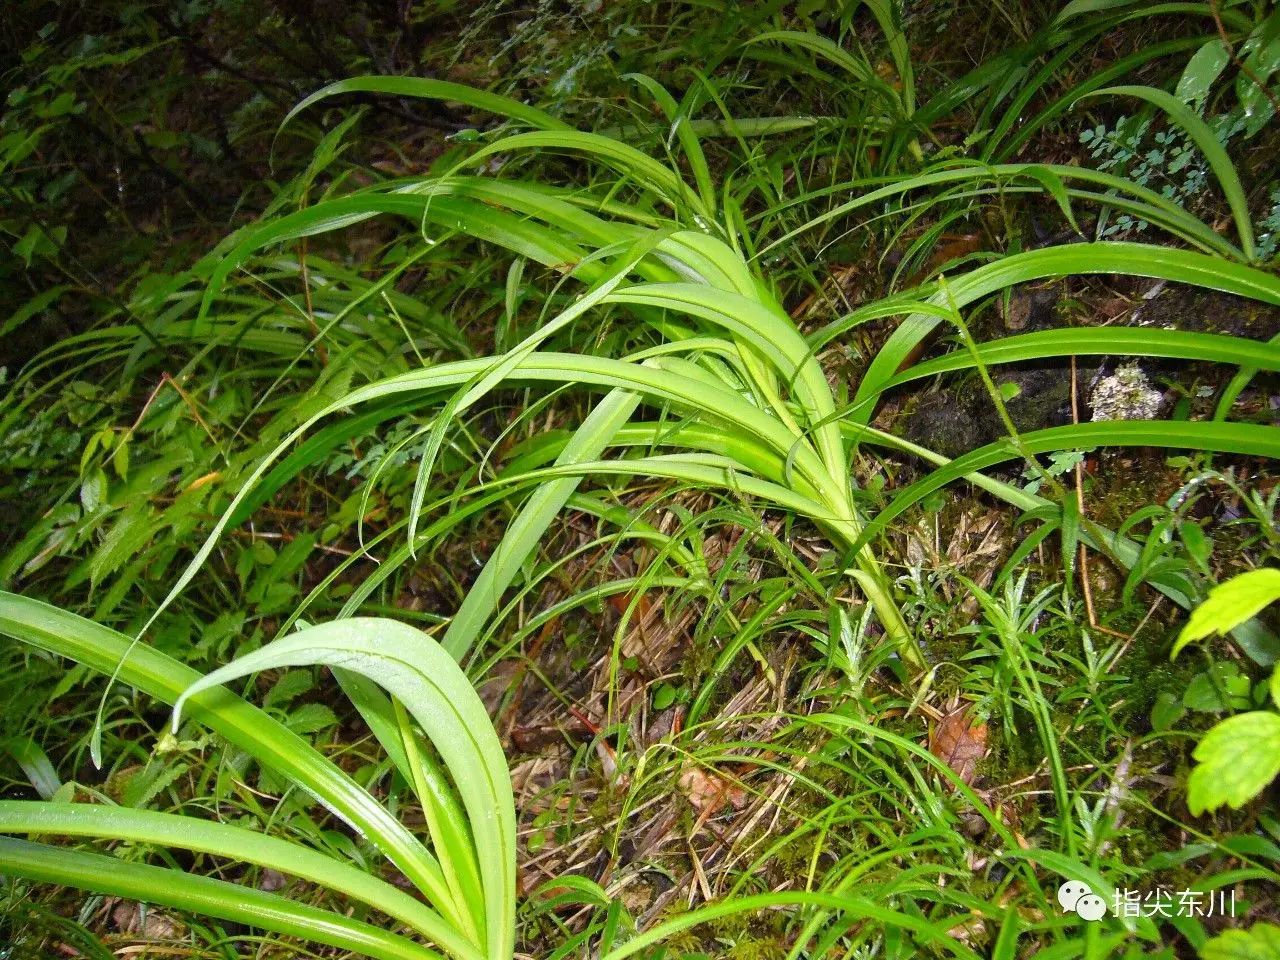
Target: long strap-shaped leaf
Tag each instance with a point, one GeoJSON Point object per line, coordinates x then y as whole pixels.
{"type": "Point", "coordinates": [561, 210]}
{"type": "Point", "coordinates": [234, 843]}
{"type": "Point", "coordinates": [35, 764]}
{"type": "Point", "coordinates": [1103, 341]}
{"type": "Point", "coordinates": [1213, 151]}
{"type": "Point", "coordinates": [157, 675]}
{"type": "Point", "coordinates": [432, 687]}
{"type": "Point", "coordinates": [1242, 438]}
{"type": "Point", "coordinates": [666, 385]}
{"type": "Point", "coordinates": [774, 336]}
{"type": "Point", "coordinates": [626, 159]}
{"type": "Point", "coordinates": [447, 210]}
{"type": "Point", "coordinates": [861, 70]}
{"type": "Point", "coordinates": [525, 532]}
{"type": "Point", "coordinates": [469, 393]}
{"type": "Point", "coordinates": [202, 895]}
{"type": "Point", "coordinates": [694, 468]}
{"type": "Point", "coordinates": [1005, 175]}
{"type": "Point", "coordinates": [429, 89]}
{"type": "Point", "coordinates": [553, 134]}
{"type": "Point", "coordinates": [1134, 259]}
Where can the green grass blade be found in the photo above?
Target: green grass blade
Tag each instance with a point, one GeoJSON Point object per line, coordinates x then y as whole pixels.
{"type": "Point", "coordinates": [432, 687]}
{"type": "Point", "coordinates": [1135, 259]}
{"type": "Point", "coordinates": [686, 134]}
{"type": "Point", "coordinates": [935, 933]}
{"type": "Point", "coordinates": [1213, 151]}
{"type": "Point", "coordinates": [446, 821]}
{"type": "Point", "coordinates": [772, 336]}
{"type": "Point", "coordinates": [157, 675]}
{"type": "Point", "coordinates": [888, 15]}
{"type": "Point", "coordinates": [428, 89]}
{"type": "Point", "coordinates": [314, 450]}
{"type": "Point", "coordinates": [202, 895]}
{"type": "Point", "coordinates": [1103, 341]}
{"type": "Point", "coordinates": [823, 47]}
{"type": "Point", "coordinates": [235, 843]}
{"type": "Point", "coordinates": [1232, 391]}
{"type": "Point", "coordinates": [1241, 438]}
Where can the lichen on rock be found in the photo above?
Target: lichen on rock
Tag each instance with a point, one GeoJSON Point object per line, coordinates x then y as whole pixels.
{"type": "Point", "coordinates": [1126, 394]}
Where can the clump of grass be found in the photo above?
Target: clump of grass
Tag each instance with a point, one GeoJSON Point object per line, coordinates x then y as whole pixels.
{"type": "Point", "coordinates": [638, 295]}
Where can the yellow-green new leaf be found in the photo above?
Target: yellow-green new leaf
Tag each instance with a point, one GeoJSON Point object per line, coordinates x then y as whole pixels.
{"type": "Point", "coordinates": [1229, 605]}
{"type": "Point", "coordinates": [1237, 759]}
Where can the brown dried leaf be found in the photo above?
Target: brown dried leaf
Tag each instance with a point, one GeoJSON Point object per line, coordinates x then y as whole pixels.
{"type": "Point", "coordinates": [494, 688]}
{"type": "Point", "coordinates": [134, 919]}
{"type": "Point", "coordinates": [708, 792]}
{"type": "Point", "coordinates": [959, 743]}
{"type": "Point", "coordinates": [272, 880]}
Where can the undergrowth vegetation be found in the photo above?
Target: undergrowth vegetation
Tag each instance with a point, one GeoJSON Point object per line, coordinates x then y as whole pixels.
{"type": "Point", "coordinates": [630, 479]}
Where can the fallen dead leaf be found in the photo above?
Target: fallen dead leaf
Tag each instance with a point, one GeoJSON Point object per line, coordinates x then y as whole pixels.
{"type": "Point", "coordinates": [495, 686]}
{"type": "Point", "coordinates": [131, 917]}
{"type": "Point", "coordinates": [271, 880]}
{"type": "Point", "coordinates": [959, 743]}
{"type": "Point", "coordinates": [708, 792]}
{"type": "Point", "coordinates": [969, 930]}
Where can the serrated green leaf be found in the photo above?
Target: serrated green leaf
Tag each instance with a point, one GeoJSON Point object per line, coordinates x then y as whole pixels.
{"type": "Point", "coordinates": [120, 461]}
{"type": "Point", "coordinates": [311, 718]}
{"type": "Point", "coordinates": [1222, 687]}
{"type": "Point", "coordinates": [1236, 760]}
{"type": "Point", "coordinates": [1259, 942]}
{"type": "Point", "coordinates": [92, 489]}
{"type": "Point", "coordinates": [292, 684]}
{"type": "Point", "coordinates": [1229, 605]}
